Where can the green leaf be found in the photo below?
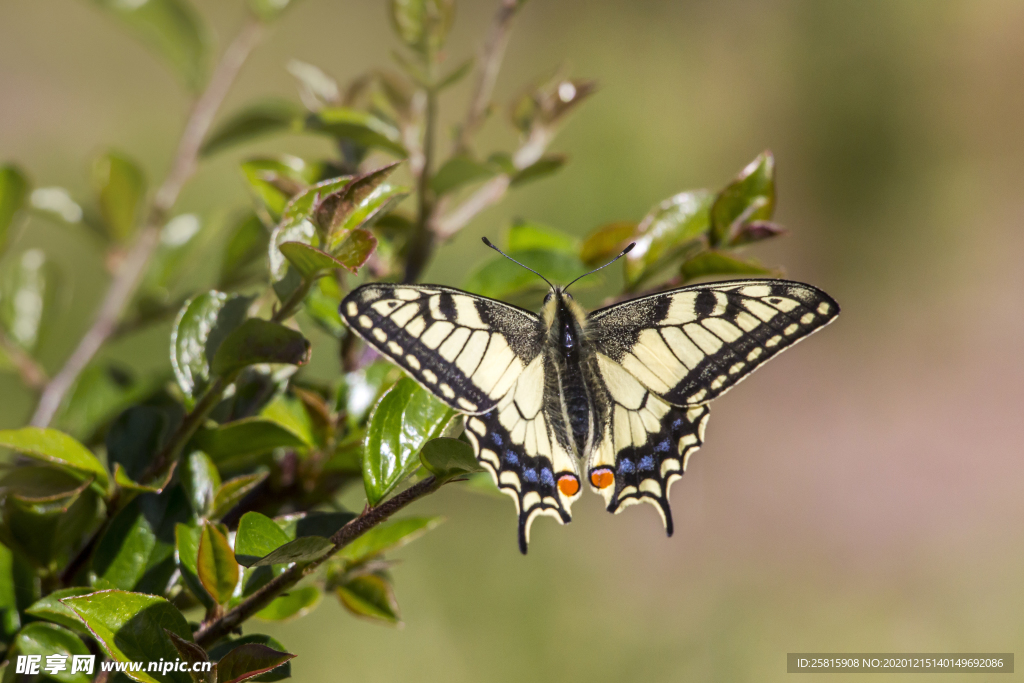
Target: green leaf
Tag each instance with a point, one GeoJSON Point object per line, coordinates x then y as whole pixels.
{"type": "Point", "coordinates": [254, 121]}
{"type": "Point", "coordinates": [125, 482]}
{"type": "Point", "coordinates": [121, 188]}
{"type": "Point", "coordinates": [423, 25]}
{"type": "Point", "coordinates": [750, 197]}
{"type": "Point", "coordinates": [289, 412]}
{"type": "Point", "coordinates": [543, 167]}
{"type": "Point", "coordinates": [46, 640]}
{"type": "Point", "coordinates": [50, 445]}
{"type": "Point", "coordinates": [446, 458]}
{"type": "Point", "coordinates": [317, 88]}
{"type": "Point", "coordinates": [387, 536]}
{"type": "Point", "coordinates": [137, 549]}
{"type": "Point", "coordinates": [201, 480]}
{"type": "Point", "coordinates": [249, 660]}
{"type": "Point", "coordinates": [257, 537]}
{"type": "Point", "coordinates": [201, 326]}
{"type": "Point", "coordinates": [248, 436]}
{"type": "Point", "coordinates": [460, 171]}
{"type": "Point", "coordinates": [528, 236]}
{"type": "Point", "coordinates": [455, 75]}
{"type": "Point", "coordinates": [667, 232]}
{"type": "Point", "coordinates": [13, 190]}
{"type": "Point", "coordinates": [406, 417]}
{"type": "Point", "coordinates": [260, 341]}
{"type": "Point", "coordinates": [225, 646]}
{"type": "Point", "coordinates": [46, 534]}
{"type": "Point", "coordinates": [170, 28]}
{"type": "Point", "coordinates": [333, 210]}
{"type": "Point", "coordinates": [27, 296]}
{"type": "Point", "coordinates": [216, 565]}
{"type": "Point", "coordinates": [296, 603]}
{"type": "Point", "coordinates": [134, 439]}
{"type": "Point", "coordinates": [275, 181]}
{"type": "Point", "coordinates": [606, 242]}
{"type": "Point", "coordinates": [131, 627]}
{"type": "Point", "coordinates": [296, 223]}
{"type": "Point", "coordinates": [41, 484]}
{"type": "Point", "coordinates": [248, 241]}
{"type": "Point", "coordinates": [190, 653]}
{"type": "Point", "coordinates": [268, 10]}
{"type": "Point", "coordinates": [309, 261]}
{"type": "Point", "coordinates": [354, 250]}
{"type": "Point", "coordinates": [233, 491]}
{"type": "Point", "coordinates": [301, 549]}
{"type": "Point", "coordinates": [186, 557]}
{"type": "Point", "coordinates": [52, 609]}
{"type": "Point", "coordinates": [711, 263]}
{"type": "Point", "coordinates": [499, 278]}
{"type": "Point", "coordinates": [361, 127]}
{"type": "Point", "coordinates": [370, 596]}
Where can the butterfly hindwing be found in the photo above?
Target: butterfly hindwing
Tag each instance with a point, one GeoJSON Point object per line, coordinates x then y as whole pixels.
{"type": "Point", "coordinates": [465, 349]}
{"type": "Point", "coordinates": [645, 444]}
{"type": "Point", "coordinates": [693, 344]}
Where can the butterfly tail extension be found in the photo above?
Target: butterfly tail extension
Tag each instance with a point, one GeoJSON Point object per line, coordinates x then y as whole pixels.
{"type": "Point", "coordinates": [644, 471]}
{"type": "Point", "coordinates": [543, 484]}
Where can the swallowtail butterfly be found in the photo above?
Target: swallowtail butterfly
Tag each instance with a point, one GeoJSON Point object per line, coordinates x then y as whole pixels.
{"type": "Point", "coordinates": [617, 398]}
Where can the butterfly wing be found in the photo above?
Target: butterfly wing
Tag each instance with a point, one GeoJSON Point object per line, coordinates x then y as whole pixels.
{"type": "Point", "coordinates": [467, 350]}
{"type": "Point", "coordinates": [693, 344]}
{"type": "Point", "coordinates": [662, 358]}
{"type": "Point", "coordinates": [482, 357]}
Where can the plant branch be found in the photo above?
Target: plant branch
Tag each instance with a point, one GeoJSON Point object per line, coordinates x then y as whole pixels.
{"type": "Point", "coordinates": [421, 245]}
{"type": "Point", "coordinates": [33, 375]}
{"type": "Point", "coordinates": [122, 288]}
{"type": "Point", "coordinates": [212, 631]}
{"type": "Point", "coordinates": [487, 75]}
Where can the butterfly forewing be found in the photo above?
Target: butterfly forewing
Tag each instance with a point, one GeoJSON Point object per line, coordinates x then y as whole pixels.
{"type": "Point", "coordinates": [466, 350]}
{"type": "Point", "coordinates": [693, 344]}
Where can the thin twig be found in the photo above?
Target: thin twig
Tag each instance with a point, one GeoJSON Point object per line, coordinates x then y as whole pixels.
{"type": "Point", "coordinates": [130, 272]}
{"type": "Point", "coordinates": [487, 75]}
{"type": "Point", "coordinates": [488, 194]}
{"type": "Point", "coordinates": [33, 375]}
{"type": "Point", "coordinates": [212, 631]}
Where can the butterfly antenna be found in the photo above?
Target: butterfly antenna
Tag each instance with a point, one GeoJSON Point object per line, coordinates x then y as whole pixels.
{"type": "Point", "coordinates": [488, 243]}
{"type": "Point", "coordinates": [621, 254]}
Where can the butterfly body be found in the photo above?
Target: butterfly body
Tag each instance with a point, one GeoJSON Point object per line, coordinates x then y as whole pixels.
{"type": "Point", "coordinates": [617, 398]}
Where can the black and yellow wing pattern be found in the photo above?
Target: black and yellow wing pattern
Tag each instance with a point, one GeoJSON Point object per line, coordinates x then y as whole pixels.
{"type": "Point", "coordinates": [623, 390]}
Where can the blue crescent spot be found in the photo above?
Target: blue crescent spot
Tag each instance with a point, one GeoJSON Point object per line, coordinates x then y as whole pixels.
{"type": "Point", "coordinates": [626, 467]}
{"type": "Point", "coordinates": [647, 462]}
{"type": "Point", "coordinates": [547, 477]}
{"type": "Point", "coordinates": [496, 438]}
{"type": "Point", "coordinates": [530, 476]}
{"type": "Point", "coordinates": [663, 446]}
{"type": "Point", "coordinates": [511, 458]}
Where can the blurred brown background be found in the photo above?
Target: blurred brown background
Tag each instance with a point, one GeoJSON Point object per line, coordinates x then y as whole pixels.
{"type": "Point", "coordinates": [861, 493]}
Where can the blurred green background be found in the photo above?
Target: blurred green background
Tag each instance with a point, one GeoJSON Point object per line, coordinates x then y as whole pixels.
{"type": "Point", "coordinates": [862, 493]}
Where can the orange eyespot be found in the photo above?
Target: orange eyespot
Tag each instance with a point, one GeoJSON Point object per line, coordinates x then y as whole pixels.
{"type": "Point", "coordinates": [568, 485]}
{"type": "Point", "coordinates": [602, 478]}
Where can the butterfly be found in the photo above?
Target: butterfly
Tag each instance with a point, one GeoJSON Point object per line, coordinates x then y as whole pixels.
{"type": "Point", "coordinates": [618, 397]}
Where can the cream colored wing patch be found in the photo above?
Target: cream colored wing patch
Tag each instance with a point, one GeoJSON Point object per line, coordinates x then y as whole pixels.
{"type": "Point", "coordinates": [466, 350]}
{"type": "Point", "coordinates": [645, 446]}
{"type": "Point", "coordinates": [524, 452]}
{"type": "Point", "coordinates": [693, 344]}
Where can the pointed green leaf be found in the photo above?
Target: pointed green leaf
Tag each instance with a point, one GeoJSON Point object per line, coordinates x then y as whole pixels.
{"type": "Point", "coordinates": [186, 557]}
{"type": "Point", "coordinates": [499, 278]}
{"type": "Point", "coordinates": [543, 167]}
{"type": "Point", "coordinates": [257, 537]}
{"type": "Point", "coordinates": [47, 534]}
{"type": "Point", "coordinates": [254, 121]}
{"type": "Point", "coordinates": [260, 341]}
{"type": "Point", "coordinates": [370, 596]}
{"type": "Point", "coordinates": [131, 627]}
{"type": "Point", "coordinates": [121, 187]}
{"type": "Point", "coordinates": [45, 640]}
{"type": "Point", "coordinates": [423, 25]}
{"type": "Point", "coordinates": [289, 412]}
{"type": "Point", "coordinates": [460, 171]}
{"type": "Point", "coordinates": [248, 436]}
{"type": "Point", "coordinates": [296, 603]}
{"type": "Point", "coordinates": [125, 482]}
{"type": "Point", "coordinates": [712, 263]}
{"type": "Point", "coordinates": [361, 127]}
{"type": "Point", "coordinates": [275, 181]}
{"type": "Point", "coordinates": [41, 484]}
{"type": "Point", "coordinates": [666, 233]}
{"type": "Point", "coordinates": [52, 609]}
{"type": "Point", "coordinates": [354, 250]}
{"type": "Point", "coordinates": [27, 294]}
{"type": "Point", "coordinates": [201, 480]}
{"type": "Point", "coordinates": [190, 653]}
{"type": "Point", "coordinates": [446, 458]}
{"type": "Point", "coordinates": [50, 445]}
{"type": "Point", "coordinates": [333, 209]}
{"type": "Point", "coordinates": [202, 325]}
{"type": "Point", "coordinates": [301, 549]}
{"type": "Point", "coordinates": [387, 536]}
{"type": "Point", "coordinates": [529, 236]}
{"type": "Point", "coordinates": [405, 418]}
{"type": "Point", "coordinates": [309, 261]}
{"type": "Point", "coordinates": [249, 660]}
{"type": "Point", "coordinates": [606, 243]}
{"type": "Point", "coordinates": [233, 491]}
{"type": "Point", "coordinates": [216, 565]}
{"type": "Point", "coordinates": [280, 673]}
{"type": "Point", "coordinates": [750, 197]}
{"type": "Point", "coordinates": [13, 190]}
